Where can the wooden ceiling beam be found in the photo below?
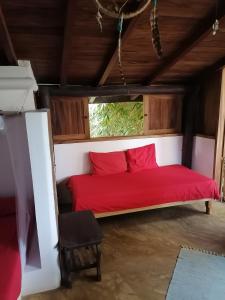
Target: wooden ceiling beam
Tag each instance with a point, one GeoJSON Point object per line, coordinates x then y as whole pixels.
{"type": "Point", "coordinates": [88, 91]}
{"type": "Point", "coordinates": [6, 42]}
{"type": "Point", "coordinates": [67, 42]}
{"type": "Point", "coordinates": [110, 63]}
{"type": "Point", "coordinates": [199, 32]}
{"type": "Point", "coordinates": [118, 99]}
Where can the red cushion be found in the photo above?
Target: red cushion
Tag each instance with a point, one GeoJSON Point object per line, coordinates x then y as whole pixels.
{"type": "Point", "coordinates": [108, 163]}
{"type": "Point", "coordinates": [7, 206]}
{"type": "Point", "coordinates": [141, 158]}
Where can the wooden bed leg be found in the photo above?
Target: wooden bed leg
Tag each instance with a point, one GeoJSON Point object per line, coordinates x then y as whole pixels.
{"type": "Point", "coordinates": [208, 205]}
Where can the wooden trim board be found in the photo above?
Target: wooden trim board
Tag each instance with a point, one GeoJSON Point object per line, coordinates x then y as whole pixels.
{"type": "Point", "coordinates": [205, 136]}
{"type": "Point", "coordinates": [126, 211]}
{"type": "Point", "coordinates": [66, 139]}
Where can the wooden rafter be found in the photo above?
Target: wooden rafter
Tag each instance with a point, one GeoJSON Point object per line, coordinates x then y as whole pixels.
{"type": "Point", "coordinates": [6, 41]}
{"type": "Point", "coordinates": [118, 99]}
{"type": "Point", "coordinates": [67, 42]}
{"type": "Point", "coordinates": [199, 32]}
{"type": "Point", "coordinates": [113, 58]}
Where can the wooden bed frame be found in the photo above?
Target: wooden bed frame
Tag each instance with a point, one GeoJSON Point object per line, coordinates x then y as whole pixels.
{"type": "Point", "coordinates": [65, 199]}
{"type": "Point", "coordinates": [208, 205]}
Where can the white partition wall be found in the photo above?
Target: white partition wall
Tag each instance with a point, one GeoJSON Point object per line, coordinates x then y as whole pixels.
{"type": "Point", "coordinates": [28, 145]}
{"type": "Point", "coordinates": [48, 276]}
{"type": "Point", "coordinates": [72, 159]}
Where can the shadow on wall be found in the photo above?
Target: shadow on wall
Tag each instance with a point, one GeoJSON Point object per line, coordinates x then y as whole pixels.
{"type": "Point", "coordinates": [16, 180]}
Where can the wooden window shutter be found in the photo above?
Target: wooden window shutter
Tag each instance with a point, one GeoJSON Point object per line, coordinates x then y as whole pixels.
{"type": "Point", "coordinates": [162, 114]}
{"type": "Point", "coordinates": [70, 118]}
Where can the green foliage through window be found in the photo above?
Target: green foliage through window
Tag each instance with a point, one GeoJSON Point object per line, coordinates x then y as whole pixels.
{"type": "Point", "coordinates": [116, 119]}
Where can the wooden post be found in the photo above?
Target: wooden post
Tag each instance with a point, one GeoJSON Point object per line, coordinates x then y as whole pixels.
{"type": "Point", "coordinates": [44, 98]}
{"type": "Point", "coordinates": [189, 118]}
{"type": "Point", "coordinates": [220, 151]}
{"type": "Point", "coordinates": [208, 205]}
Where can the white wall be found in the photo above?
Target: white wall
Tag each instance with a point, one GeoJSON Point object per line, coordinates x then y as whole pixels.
{"type": "Point", "coordinates": [48, 276]}
{"type": "Point", "coordinates": [72, 159]}
{"type": "Point", "coordinates": [203, 155]}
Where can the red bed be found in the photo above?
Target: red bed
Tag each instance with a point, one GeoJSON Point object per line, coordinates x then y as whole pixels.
{"type": "Point", "coordinates": [10, 268]}
{"type": "Point", "coordinates": [146, 188]}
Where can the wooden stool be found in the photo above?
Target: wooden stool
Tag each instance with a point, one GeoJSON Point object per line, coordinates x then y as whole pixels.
{"type": "Point", "coordinates": [79, 240]}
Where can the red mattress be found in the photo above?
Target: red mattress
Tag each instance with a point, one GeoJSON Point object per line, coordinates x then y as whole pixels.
{"type": "Point", "coordinates": [10, 269]}
{"type": "Point", "coordinates": [145, 188]}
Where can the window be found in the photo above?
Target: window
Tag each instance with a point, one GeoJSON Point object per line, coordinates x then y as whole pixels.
{"type": "Point", "coordinates": [76, 118]}
{"type": "Point", "coordinates": [116, 119]}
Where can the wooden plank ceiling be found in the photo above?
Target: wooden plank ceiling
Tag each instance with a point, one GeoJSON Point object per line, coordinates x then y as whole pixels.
{"type": "Point", "coordinates": [63, 41]}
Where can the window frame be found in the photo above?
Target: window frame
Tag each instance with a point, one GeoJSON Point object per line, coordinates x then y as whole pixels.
{"type": "Point", "coordinates": [73, 138]}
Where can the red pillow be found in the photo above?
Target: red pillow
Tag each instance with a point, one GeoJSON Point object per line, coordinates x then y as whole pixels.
{"type": "Point", "coordinates": [141, 158]}
{"type": "Point", "coordinates": [108, 163]}
{"type": "Point", "coordinates": [7, 206]}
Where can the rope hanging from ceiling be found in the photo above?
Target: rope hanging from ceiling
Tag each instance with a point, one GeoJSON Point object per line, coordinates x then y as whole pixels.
{"type": "Point", "coordinates": [118, 11]}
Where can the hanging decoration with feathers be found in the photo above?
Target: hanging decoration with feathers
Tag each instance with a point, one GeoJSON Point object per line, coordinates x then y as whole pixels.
{"type": "Point", "coordinates": [99, 19]}
{"type": "Point", "coordinates": [113, 10]}
{"type": "Point", "coordinates": [119, 47]}
{"type": "Point", "coordinates": [155, 30]}
{"type": "Point", "coordinates": [120, 29]}
{"type": "Point", "coordinates": [216, 24]}
{"type": "Point", "coordinates": [116, 9]}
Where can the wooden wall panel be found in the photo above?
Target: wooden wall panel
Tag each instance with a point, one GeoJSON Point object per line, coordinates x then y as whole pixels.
{"type": "Point", "coordinates": [69, 117]}
{"type": "Point", "coordinates": [162, 114]}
